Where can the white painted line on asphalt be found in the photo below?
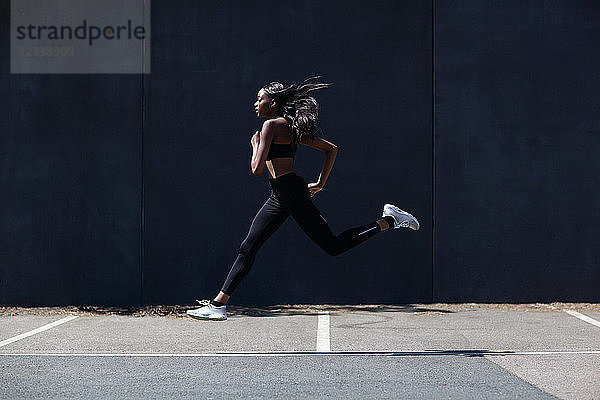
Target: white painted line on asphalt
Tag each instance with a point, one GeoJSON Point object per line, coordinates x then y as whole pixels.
{"type": "Point", "coordinates": [323, 343]}
{"type": "Point", "coordinates": [38, 330]}
{"type": "Point", "coordinates": [539, 353]}
{"type": "Point", "coordinates": [583, 317]}
{"type": "Point", "coordinates": [312, 353]}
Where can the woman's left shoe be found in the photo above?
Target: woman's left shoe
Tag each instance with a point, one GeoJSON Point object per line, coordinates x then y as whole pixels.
{"type": "Point", "coordinates": [208, 311]}
{"type": "Point", "coordinates": [402, 219]}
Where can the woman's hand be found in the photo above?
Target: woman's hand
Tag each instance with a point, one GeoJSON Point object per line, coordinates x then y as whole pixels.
{"type": "Point", "coordinates": [255, 139]}
{"type": "Point", "coordinates": [313, 188]}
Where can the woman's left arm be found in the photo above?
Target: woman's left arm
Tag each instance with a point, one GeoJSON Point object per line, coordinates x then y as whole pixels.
{"type": "Point", "coordinates": [261, 142]}
{"type": "Point", "coordinates": [330, 151]}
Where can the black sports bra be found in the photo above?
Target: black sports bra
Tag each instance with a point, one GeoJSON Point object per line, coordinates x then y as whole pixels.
{"type": "Point", "coordinates": [278, 150]}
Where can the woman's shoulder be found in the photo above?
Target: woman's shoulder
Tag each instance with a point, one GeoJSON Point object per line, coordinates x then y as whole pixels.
{"type": "Point", "coordinates": [276, 121]}
{"type": "Point", "coordinates": [278, 128]}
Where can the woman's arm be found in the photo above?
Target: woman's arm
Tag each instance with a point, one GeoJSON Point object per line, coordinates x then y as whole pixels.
{"type": "Point", "coordinates": [330, 151]}
{"type": "Point", "coordinates": [261, 142]}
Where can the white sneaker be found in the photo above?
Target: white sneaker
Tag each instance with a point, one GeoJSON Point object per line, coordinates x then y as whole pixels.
{"type": "Point", "coordinates": [402, 219]}
{"type": "Point", "coordinates": [208, 311]}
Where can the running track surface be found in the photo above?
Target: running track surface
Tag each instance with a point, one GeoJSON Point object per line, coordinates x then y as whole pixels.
{"type": "Point", "coordinates": [421, 351]}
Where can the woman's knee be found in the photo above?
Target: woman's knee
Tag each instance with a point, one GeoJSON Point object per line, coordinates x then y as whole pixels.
{"type": "Point", "coordinates": [249, 247]}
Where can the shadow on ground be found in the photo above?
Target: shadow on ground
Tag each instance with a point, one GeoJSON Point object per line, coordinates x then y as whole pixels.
{"type": "Point", "coordinates": [303, 309]}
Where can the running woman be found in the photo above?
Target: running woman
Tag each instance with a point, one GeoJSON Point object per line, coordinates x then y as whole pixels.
{"type": "Point", "coordinates": [292, 119]}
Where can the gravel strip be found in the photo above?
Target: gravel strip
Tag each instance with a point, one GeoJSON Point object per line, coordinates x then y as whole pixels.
{"type": "Point", "coordinates": [178, 311]}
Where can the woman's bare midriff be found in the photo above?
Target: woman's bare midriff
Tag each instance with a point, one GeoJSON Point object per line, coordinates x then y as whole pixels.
{"type": "Point", "coordinates": [280, 166]}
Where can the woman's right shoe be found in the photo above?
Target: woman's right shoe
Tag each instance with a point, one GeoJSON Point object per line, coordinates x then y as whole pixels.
{"type": "Point", "coordinates": [208, 311]}
{"type": "Point", "coordinates": [402, 219]}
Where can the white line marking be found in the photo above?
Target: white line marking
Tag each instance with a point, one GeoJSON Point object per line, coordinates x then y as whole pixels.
{"type": "Point", "coordinates": [583, 317]}
{"type": "Point", "coordinates": [38, 330]}
{"type": "Point", "coordinates": [323, 343]}
{"type": "Point", "coordinates": [311, 353]}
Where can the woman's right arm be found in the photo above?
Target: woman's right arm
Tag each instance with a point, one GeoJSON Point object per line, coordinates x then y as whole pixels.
{"type": "Point", "coordinates": [330, 151]}
{"type": "Point", "coordinates": [261, 143]}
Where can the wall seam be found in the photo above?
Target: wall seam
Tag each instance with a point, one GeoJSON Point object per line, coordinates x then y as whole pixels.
{"type": "Point", "coordinates": [433, 160]}
{"type": "Point", "coordinates": [142, 196]}
{"type": "Point", "coordinates": [142, 192]}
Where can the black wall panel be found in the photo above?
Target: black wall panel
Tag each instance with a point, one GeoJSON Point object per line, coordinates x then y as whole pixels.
{"type": "Point", "coordinates": [70, 194]}
{"type": "Point", "coordinates": [517, 151]}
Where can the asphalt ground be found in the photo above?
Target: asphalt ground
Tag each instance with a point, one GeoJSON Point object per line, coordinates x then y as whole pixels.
{"type": "Point", "coordinates": [442, 351]}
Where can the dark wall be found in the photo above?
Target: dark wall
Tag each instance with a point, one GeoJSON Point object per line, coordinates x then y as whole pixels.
{"type": "Point", "coordinates": [70, 186]}
{"type": "Point", "coordinates": [517, 151]}
{"type": "Point", "coordinates": [128, 189]}
{"type": "Point", "coordinates": [209, 59]}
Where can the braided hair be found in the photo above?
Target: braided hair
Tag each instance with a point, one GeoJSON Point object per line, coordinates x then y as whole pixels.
{"type": "Point", "coordinates": [300, 110]}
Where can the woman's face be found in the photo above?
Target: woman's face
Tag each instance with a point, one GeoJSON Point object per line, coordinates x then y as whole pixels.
{"type": "Point", "coordinates": [263, 104]}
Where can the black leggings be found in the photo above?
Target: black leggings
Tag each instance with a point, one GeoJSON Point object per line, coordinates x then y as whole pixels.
{"type": "Point", "coordinates": [290, 196]}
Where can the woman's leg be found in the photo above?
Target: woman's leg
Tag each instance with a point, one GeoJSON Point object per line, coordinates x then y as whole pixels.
{"type": "Point", "coordinates": [268, 219]}
{"type": "Point", "coordinates": [295, 198]}
{"type": "Point", "coordinates": [223, 297]}
{"type": "Point", "coordinates": [315, 226]}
